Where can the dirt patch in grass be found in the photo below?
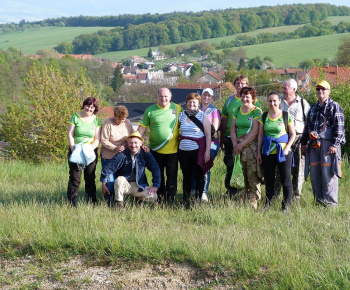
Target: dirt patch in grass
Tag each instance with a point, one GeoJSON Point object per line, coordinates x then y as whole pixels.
{"type": "Point", "coordinates": [80, 273]}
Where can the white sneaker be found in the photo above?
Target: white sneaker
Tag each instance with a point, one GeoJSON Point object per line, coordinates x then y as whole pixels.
{"type": "Point", "coordinates": [204, 197]}
{"type": "Point", "coordinates": [150, 197]}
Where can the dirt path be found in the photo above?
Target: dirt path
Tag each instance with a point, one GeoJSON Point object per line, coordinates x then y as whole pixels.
{"type": "Point", "coordinates": [82, 274]}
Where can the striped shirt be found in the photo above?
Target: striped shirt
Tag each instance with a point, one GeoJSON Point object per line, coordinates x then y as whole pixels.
{"type": "Point", "coordinates": [334, 115]}
{"type": "Point", "coordinates": [190, 130]}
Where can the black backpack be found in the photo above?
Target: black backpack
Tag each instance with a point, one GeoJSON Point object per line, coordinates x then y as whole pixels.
{"type": "Point", "coordinates": [285, 120]}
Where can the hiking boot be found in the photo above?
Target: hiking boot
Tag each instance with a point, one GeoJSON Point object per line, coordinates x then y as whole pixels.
{"type": "Point", "coordinates": [119, 205]}
{"type": "Point", "coordinates": [231, 192]}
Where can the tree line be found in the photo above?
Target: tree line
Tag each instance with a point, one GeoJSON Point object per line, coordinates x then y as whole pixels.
{"type": "Point", "coordinates": [180, 27]}
{"type": "Point", "coordinates": [316, 28]}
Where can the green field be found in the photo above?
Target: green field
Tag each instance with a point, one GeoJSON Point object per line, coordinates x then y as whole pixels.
{"type": "Point", "coordinates": [232, 246]}
{"type": "Point", "coordinates": [31, 41]}
{"type": "Point", "coordinates": [287, 52]}
{"type": "Point", "coordinates": [284, 53]}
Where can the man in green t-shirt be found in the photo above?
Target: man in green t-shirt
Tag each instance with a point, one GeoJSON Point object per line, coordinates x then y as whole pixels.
{"type": "Point", "coordinates": [162, 119]}
{"type": "Point", "coordinates": [231, 106]}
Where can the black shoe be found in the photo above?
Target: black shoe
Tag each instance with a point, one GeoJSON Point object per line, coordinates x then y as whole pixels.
{"type": "Point", "coordinates": [231, 192]}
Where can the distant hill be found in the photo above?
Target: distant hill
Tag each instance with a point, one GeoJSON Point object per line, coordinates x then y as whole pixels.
{"type": "Point", "coordinates": [290, 51]}
{"type": "Point", "coordinates": [31, 41]}
{"type": "Point", "coordinates": [150, 30]}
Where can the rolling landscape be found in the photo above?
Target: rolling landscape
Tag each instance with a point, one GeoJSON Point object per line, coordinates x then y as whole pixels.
{"type": "Point", "coordinates": [288, 52]}
{"type": "Point", "coordinates": [45, 243]}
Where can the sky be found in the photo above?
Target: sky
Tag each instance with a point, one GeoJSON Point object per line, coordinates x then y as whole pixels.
{"type": "Point", "coordinates": [32, 10]}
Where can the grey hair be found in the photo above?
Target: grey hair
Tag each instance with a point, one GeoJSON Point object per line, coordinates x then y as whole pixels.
{"type": "Point", "coordinates": [166, 89]}
{"type": "Point", "coordinates": [292, 83]}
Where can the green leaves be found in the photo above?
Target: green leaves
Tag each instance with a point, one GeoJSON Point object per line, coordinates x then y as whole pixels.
{"type": "Point", "coordinates": [38, 131]}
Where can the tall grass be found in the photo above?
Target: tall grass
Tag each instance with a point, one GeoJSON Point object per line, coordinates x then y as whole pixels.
{"type": "Point", "coordinates": [306, 248]}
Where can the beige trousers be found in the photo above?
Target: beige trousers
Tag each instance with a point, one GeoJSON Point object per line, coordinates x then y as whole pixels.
{"type": "Point", "coordinates": [123, 187]}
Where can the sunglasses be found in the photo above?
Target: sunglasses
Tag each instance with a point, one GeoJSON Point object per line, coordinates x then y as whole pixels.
{"type": "Point", "coordinates": [321, 89]}
{"type": "Point", "coordinates": [246, 88]}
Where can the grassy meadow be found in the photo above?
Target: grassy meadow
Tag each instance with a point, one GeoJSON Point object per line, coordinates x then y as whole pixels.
{"type": "Point", "coordinates": [289, 52]}
{"type": "Point", "coordinates": [304, 249]}
{"type": "Point", "coordinates": [31, 41]}
{"type": "Point", "coordinates": [286, 53]}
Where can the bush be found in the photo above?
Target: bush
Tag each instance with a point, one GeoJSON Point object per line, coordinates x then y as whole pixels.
{"type": "Point", "coordinates": [37, 131]}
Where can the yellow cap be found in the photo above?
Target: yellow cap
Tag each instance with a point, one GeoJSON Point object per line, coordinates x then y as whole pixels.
{"type": "Point", "coordinates": [135, 134]}
{"type": "Point", "coordinates": [323, 84]}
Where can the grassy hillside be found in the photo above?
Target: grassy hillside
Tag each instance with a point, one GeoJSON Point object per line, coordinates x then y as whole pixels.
{"type": "Point", "coordinates": [291, 52]}
{"type": "Point", "coordinates": [307, 248]}
{"type": "Point", "coordinates": [29, 42]}
{"type": "Point", "coordinates": [284, 53]}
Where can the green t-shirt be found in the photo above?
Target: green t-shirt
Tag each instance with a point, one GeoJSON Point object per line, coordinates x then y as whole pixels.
{"type": "Point", "coordinates": [84, 132]}
{"type": "Point", "coordinates": [230, 107]}
{"type": "Point", "coordinates": [244, 121]}
{"type": "Point", "coordinates": [275, 128]}
{"type": "Point", "coordinates": [164, 129]}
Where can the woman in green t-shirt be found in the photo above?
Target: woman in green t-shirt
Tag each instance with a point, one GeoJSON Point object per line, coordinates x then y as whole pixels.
{"type": "Point", "coordinates": [276, 136]}
{"type": "Point", "coordinates": [83, 128]}
{"type": "Point", "coordinates": [244, 132]}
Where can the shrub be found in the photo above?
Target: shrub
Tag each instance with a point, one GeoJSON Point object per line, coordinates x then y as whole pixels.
{"type": "Point", "coordinates": [37, 131]}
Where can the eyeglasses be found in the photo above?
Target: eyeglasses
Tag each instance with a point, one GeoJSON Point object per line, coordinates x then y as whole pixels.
{"type": "Point", "coordinates": [321, 89]}
{"type": "Point", "coordinates": [246, 88]}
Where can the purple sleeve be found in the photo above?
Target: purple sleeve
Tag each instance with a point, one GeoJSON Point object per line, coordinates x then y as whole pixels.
{"type": "Point", "coordinates": [216, 114]}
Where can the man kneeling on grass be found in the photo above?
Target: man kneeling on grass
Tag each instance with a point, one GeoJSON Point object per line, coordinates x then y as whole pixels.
{"type": "Point", "coordinates": [129, 169]}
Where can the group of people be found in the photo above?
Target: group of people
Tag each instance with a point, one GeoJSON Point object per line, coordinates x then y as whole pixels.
{"type": "Point", "coordinates": [279, 147]}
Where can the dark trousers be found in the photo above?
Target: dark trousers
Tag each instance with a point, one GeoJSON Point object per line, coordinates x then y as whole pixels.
{"type": "Point", "coordinates": [270, 163]}
{"type": "Point", "coordinates": [190, 167]}
{"type": "Point", "coordinates": [168, 189]}
{"type": "Point", "coordinates": [229, 162]}
{"type": "Point", "coordinates": [75, 177]}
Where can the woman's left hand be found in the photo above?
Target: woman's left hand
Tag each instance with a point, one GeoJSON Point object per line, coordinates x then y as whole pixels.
{"type": "Point", "coordinates": [145, 148]}
{"type": "Point", "coordinates": [206, 156]}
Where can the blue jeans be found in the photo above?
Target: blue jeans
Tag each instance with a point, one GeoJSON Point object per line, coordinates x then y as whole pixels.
{"type": "Point", "coordinates": [110, 178]}
{"type": "Point", "coordinates": [214, 149]}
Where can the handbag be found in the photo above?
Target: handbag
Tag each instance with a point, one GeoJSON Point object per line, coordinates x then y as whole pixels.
{"type": "Point", "coordinates": [82, 154]}
{"type": "Point", "coordinates": [237, 177]}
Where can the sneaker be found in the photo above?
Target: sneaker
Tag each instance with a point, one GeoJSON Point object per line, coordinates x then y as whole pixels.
{"type": "Point", "coordinates": [151, 197]}
{"type": "Point", "coordinates": [193, 191]}
{"type": "Point", "coordinates": [204, 197]}
{"type": "Point", "coordinates": [254, 204]}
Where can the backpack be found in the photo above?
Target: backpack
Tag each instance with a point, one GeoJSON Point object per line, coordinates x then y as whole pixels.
{"type": "Point", "coordinates": [285, 120]}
